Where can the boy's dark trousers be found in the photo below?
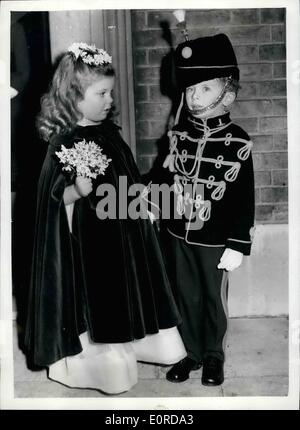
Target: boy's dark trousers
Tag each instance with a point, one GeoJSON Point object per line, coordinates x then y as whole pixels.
{"type": "Point", "coordinates": [201, 293]}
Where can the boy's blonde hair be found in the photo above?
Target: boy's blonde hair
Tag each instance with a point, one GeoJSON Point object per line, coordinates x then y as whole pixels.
{"type": "Point", "coordinates": [233, 85]}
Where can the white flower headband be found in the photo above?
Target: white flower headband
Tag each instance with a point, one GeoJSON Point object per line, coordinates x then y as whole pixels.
{"type": "Point", "coordinates": [90, 54]}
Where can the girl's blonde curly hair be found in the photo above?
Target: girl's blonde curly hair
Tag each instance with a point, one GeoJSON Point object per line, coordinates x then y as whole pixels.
{"type": "Point", "coordinates": [59, 113]}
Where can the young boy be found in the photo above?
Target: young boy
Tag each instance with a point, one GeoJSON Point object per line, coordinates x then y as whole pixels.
{"type": "Point", "coordinates": [211, 230]}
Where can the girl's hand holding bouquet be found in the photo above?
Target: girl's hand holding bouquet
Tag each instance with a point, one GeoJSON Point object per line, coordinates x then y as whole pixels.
{"type": "Point", "coordinates": [86, 160]}
{"type": "Point", "coordinates": [83, 186]}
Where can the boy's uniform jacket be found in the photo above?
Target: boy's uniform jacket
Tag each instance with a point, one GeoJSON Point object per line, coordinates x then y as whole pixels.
{"type": "Point", "coordinates": [213, 183]}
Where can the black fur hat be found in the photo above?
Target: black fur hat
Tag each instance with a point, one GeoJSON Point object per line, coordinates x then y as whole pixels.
{"type": "Point", "coordinates": [205, 58]}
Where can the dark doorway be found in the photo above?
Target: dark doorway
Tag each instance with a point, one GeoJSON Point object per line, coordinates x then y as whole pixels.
{"type": "Point", "coordinates": [30, 73]}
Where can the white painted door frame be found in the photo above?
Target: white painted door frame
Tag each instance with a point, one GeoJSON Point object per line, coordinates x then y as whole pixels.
{"type": "Point", "coordinates": [108, 29]}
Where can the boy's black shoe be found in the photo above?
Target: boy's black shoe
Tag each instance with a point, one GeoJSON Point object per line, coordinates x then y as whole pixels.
{"type": "Point", "coordinates": [181, 371]}
{"type": "Point", "coordinates": [213, 373]}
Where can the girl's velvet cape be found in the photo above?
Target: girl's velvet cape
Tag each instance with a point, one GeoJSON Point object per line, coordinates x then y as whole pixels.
{"type": "Point", "coordinates": [107, 276]}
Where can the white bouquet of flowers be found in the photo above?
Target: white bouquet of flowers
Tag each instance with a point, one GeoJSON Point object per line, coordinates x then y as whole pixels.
{"type": "Point", "coordinates": [85, 159]}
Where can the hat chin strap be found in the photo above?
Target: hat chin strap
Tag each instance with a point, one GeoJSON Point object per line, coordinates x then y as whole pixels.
{"type": "Point", "coordinates": [213, 105]}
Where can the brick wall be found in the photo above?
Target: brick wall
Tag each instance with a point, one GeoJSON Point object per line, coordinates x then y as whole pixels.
{"type": "Point", "coordinates": [258, 36]}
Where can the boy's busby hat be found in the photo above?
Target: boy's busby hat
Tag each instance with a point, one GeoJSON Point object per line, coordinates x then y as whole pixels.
{"type": "Point", "coordinates": [205, 58]}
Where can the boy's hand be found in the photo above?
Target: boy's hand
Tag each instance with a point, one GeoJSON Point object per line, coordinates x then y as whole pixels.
{"type": "Point", "coordinates": [169, 162]}
{"type": "Point", "coordinates": [230, 260]}
{"type": "Point", "coordinates": [83, 186]}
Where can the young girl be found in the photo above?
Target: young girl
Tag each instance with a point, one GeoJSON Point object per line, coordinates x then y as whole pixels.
{"type": "Point", "coordinates": [100, 299]}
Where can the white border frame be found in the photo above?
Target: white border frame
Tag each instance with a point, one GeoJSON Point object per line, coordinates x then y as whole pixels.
{"type": "Point", "coordinates": [289, 402]}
